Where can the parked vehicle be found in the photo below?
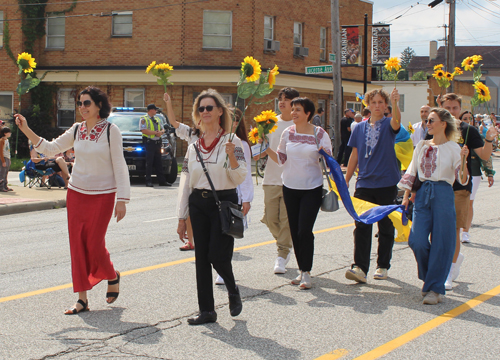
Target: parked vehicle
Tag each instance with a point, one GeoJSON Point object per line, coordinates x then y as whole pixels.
{"type": "Point", "coordinates": [127, 119]}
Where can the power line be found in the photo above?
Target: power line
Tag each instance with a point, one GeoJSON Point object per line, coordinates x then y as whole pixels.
{"type": "Point", "coordinates": [465, 27]}
{"type": "Point", "coordinates": [54, 3]}
{"type": "Point", "coordinates": [478, 14]}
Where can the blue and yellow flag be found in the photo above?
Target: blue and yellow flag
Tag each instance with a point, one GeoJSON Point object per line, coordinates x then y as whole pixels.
{"type": "Point", "coordinates": [404, 148]}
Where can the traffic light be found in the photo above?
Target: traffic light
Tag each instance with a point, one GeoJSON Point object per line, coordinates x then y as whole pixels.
{"type": "Point", "coordinates": [435, 2]}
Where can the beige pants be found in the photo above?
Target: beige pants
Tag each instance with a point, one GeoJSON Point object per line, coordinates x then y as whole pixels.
{"type": "Point", "coordinates": [276, 219]}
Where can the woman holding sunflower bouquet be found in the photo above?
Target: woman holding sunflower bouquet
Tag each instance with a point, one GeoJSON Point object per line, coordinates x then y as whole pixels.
{"type": "Point", "coordinates": [302, 178]}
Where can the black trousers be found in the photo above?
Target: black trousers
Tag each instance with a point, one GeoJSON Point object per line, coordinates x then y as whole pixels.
{"type": "Point", "coordinates": [212, 248]}
{"type": "Point", "coordinates": [363, 232]}
{"type": "Point", "coordinates": [344, 153]}
{"type": "Point", "coordinates": [153, 159]}
{"type": "Point", "coordinates": [302, 207]}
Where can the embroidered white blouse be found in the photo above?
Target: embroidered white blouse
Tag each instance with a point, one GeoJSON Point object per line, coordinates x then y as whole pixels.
{"type": "Point", "coordinates": [433, 163]}
{"type": "Point", "coordinates": [185, 133]}
{"type": "Point", "coordinates": [99, 166]}
{"type": "Point", "coordinates": [222, 178]}
{"type": "Point", "coordinates": [299, 156]}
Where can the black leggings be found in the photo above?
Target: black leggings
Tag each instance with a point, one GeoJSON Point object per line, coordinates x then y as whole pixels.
{"type": "Point", "coordinates": [212, 248]}
{"type": "Point", "coordinates": [302, 207]}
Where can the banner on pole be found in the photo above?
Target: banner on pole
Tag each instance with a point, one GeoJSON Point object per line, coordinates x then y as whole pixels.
{"type": "Point", "coordinates": [351, 46]}
{"type": "Point", "coordinates": [381, 44]}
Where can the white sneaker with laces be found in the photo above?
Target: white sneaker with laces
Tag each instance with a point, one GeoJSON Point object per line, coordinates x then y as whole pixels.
{"type": "Point", "coordinates": [219, 280]}
{"type": "Point", "coordinates": [465, 237]}
{"type": "Point", "coordinates": [456, 267]}
{"type": "Point", "coordinates": [279, 265]}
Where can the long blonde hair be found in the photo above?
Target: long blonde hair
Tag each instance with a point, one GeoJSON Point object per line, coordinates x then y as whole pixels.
{"type": "Point", "coordinates": [451, 132]}
{"type": "Point", "coordinates": [226, 117]}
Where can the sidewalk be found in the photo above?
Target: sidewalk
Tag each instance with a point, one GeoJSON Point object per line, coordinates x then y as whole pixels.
{"type": "Point", "coordinates": [24, 199]}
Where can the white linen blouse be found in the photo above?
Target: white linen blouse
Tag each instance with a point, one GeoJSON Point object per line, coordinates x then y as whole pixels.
{"type": "Point", "coordinates": [99, 166]}
{"type": "Point", "coordinates": [185, 133]}
{"type": "Point", "coordinates": [222, 178]}
{"type": "Point", "coordinates": [299, 156]}
{"type": "Point", "coordinates": [434, 163]}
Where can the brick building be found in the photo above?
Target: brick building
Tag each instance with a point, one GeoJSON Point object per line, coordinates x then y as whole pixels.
{"type": "Point", "coordinates": [110, 43]}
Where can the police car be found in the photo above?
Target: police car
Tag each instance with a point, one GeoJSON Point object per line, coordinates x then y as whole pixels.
{"type": "Point", "coordinates": [127, 119]}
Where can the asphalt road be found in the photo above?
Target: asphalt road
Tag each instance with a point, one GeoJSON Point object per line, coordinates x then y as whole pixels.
{"type": "Point", "coordinates": [335, 319]}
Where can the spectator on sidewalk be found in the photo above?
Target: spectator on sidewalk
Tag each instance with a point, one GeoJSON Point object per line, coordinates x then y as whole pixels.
{"type": "Point", "coordinates": [420, 128]}
{"type": "Point", "coordinates": [316, 121]}
{"type": "Point", "coordinates": [345, 135]}
{"type": "Point", "coordinates": [5, 134]}
{"type": "Point", "coordinates": [357, 119]}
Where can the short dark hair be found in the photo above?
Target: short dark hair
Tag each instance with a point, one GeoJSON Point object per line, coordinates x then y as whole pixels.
{"type": "Point", "coordinates": [289, 93]}
{"type": "Point", "coordinates": [3, 131]}
{"type": "Point", "coordinates": [320, 110]}
{"type": "Point", "coordinates": [307, 104]}
{"type": "Point", "coordinates": [100, 98]}
{"type": "Point", "coordinates": [389, 107]}
{"type": "Point", "coordinates": [366, 111]}
{"type": "Point", "coordinates": [346, 111]}
{"type": "Point", "coordinates": [451, 97]}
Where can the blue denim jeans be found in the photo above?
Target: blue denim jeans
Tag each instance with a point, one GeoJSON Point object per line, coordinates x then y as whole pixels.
{"type": "Point", "coordinates": [434, 213]}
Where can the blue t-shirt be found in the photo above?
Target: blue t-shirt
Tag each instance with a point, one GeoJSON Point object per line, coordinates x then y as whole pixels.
{"type": "Point", "coordinates": [378, 166]}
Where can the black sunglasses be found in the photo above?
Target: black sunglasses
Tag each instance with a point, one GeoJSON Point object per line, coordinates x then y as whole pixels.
{"type": "Point", "coordinates": [202, 108]}
{"type": "Point", "coordinates": [430, 121]}
{"type": "Point", "coordinates": [86, 103]}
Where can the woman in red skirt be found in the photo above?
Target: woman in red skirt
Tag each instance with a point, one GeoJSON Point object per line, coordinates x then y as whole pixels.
{"type": "Point", "coordinates": [99, 175]}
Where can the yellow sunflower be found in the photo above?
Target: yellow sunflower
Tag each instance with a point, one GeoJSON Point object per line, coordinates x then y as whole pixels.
{"type": "Point", "coordinates": [438, 74]}
{"type": "Point", "coordinates": [272, 76]}
{"type": "Point", "coordinates": [458, 71]}
{"type": "Point", "coordinates": [265, 116]}
{"type": "Point", "coordinates": [164, 67]}
{"type": "Point", "coordinates": [273, 129]}
{"type": "Point", "coordinates": [449, 76]}
{"type": "Point", "coordinates": [150, 67]}
{"type": "Point", "coordinates": [26, 61]}
{"type": "Point", "coordinates": [468, 63]}
{"type": "Point", "coordinates": [392, 64]}
{"type": "Point", "coordinates": [253, 135]}
{"type": "Point", "coordinates": [411, 130]}
{"type": "Point", "coordinates": [482, 91]}
{"type": "Point", "coordinates": [438, 67]}
{"type": "Point", "coordinates": [251, 68]}
{"type": "Point", "coordinates": [476, 58]}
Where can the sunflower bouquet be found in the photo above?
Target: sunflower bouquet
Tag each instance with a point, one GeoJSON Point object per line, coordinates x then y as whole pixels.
{"type": "Point", "coordinates": [393, 65]}
{"type": "Point", "coordinates": [482, 93]}
{"type": "Point", "coordinates": [266, 124]}
{"type": "Point", "coordinates": [444, 78]}
{"type": "Point", "coordinates": [411, 130]}
{"type": "Point", "coordinates": [162, 72]}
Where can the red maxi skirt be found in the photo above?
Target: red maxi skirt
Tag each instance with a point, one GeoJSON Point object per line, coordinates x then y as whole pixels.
{"type": "Point", "coordinates": [88, 219]}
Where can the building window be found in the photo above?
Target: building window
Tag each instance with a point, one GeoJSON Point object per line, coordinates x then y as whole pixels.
{"type": "Point", "coordinates": [297, 34]}
{"type": "Point", "coordinates": [322, 44]}
{"type": "Point", "coordinates": [55, 32]}
{"type": "Point", "coordinates": [268, 27]}
{"type": "Point", "coordinates": [228, 98]}
{"type": "Point", "coordinates": [356, 106]}
{"type": "Point", "coordinates": [6, 105]}
{"type": "Point", "coordinates": [1, 29]}
{"type": "Point", "coordinates": [65, 108]}
{"type": "Point", "coordinates": [134, 98]}
{"type": "Point", "coordinates": [401, 102]}
{"type": "Point", "coordinates": [217, 29]}
{"type": "Point", "coordinates": [122, 23]}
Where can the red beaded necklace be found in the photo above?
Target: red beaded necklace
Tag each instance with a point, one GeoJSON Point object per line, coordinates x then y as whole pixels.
{"type": "Point", "coordinates": [208, 150]}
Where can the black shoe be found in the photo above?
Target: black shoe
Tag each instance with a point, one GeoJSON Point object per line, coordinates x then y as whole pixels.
{"type": "Point", "coordinates": [235, 305]}
{"type": "Point", "coordinates": [149, 184]}
{"type": "Point", "coordinates": [203, 318]}
{"type": "Point", "coordinates": [165, 184]}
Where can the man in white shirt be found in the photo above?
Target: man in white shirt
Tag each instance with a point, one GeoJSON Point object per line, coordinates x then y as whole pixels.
{"type": "Point", "coordinates": [357, 119]}
{"type": "Point", "coordinates": [275, 215]}
{"type": "Point", "coordinates": [421, 127]}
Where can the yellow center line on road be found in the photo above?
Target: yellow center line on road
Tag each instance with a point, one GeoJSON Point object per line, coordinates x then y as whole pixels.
{"type": "Point", "coordinates": [150, 268]}
{"type": "Point", "coordinates": [428, 326]}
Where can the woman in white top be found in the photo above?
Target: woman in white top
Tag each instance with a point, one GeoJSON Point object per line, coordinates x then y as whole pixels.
{"type": "Point", "coordinates": [190, 135]}
{"type": "Point", "coordinates": [302, 181]}
{"type": "Point", "coordinates": [436, 164]}
{"type": "Point", "coordinates": [99, 175]}
{"type": "Point", "coordinates": [225, 163]}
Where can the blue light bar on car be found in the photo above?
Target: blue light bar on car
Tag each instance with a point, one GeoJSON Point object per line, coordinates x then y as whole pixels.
{"type": "Point", "coordinates": [125, 109]}
{"type": "Point", "coordinates": [139, 149]}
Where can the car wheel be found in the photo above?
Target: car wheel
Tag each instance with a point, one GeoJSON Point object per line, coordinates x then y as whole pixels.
{"type": "Point", "coordinates": [173, 171]}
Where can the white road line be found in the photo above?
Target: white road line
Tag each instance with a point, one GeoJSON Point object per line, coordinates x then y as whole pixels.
{"type": "Point", "coordinates": [170, 218]}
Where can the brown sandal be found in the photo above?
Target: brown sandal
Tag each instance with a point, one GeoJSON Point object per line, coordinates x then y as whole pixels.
{"type": "Point", "coordinates": [75, 311]}
{"type": "Point", "coordinates": [187, 246]}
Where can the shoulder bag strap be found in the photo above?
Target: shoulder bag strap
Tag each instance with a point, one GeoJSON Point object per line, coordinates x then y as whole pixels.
{"type": "Point", "coordinates": [322, 161]}
{"type": "Point", "coordinates": [206, 173]}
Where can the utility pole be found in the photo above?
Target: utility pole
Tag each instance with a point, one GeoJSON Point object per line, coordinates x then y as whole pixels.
{"type": "Point", "coordinates": [365, 56]}
{"type": "Point", "coordinates": [336, 110]}
{"type": "Point", "coordinates": [451, 42]}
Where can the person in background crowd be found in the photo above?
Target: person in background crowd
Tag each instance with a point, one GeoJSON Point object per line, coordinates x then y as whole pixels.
{"type": "Point", "coordinates": [275, 215]}
{"type": "Point", "coordinates": [345, 135]}
{"type": "Point", "coordinates": [5, 134]}
{"type": "Point", "coordinates": [421, 127]}
{"type": "Point", "coordinates": [373, 150]}
{"type": "Point", "coordinates": [357, 119]}
{"type": "Point", "coordinates": [388, 112]}
{"type": "Point", "coordinates": [316, 121]}
{"type": "Point", "coordinates": [366, 114]}
{"type": "Point", "coordinates": [437, 163]}
{"type": "Point", "coordinates": [302, 181]}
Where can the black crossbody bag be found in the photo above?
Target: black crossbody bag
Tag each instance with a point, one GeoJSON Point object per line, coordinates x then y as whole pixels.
{"type": "Point", "coordinates": [231, 217]}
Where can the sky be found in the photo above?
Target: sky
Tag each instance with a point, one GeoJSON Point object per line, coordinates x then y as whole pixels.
{"type": "Point", "coordinates": [477, 23]}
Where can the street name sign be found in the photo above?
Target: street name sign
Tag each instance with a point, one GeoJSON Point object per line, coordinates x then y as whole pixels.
{"type": "Point", "coordinates": [323, 69]}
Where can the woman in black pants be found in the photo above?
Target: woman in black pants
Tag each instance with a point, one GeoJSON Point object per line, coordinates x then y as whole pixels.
{"type": "Point", "coordinates": [225, 163]}
{"type": "Point", "coordinates": [302, 181]}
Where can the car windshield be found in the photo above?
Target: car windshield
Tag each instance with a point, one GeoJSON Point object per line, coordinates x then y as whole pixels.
{"type": "Point", "coordinates": [129, 122]}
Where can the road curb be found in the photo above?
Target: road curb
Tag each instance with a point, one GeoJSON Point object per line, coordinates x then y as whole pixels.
{"type": "Point", "coordinates": [8, 209]}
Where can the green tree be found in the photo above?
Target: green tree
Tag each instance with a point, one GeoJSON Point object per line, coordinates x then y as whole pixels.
{"type": "Point", "coordinates": [421, 75]}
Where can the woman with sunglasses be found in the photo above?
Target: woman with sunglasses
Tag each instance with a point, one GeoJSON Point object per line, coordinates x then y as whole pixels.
{"type": "Point", "coordinates": [226, 166]}
{"type": "Point", "coordinates": [477, 166]}
{"type": "Point", "coordinates": [436, 163]}
{"type": "Point", "coordinates": [99, 176]}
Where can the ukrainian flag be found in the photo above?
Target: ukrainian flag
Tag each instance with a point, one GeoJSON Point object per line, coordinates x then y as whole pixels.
{"type": "Point", "coordinates": [404, 148]}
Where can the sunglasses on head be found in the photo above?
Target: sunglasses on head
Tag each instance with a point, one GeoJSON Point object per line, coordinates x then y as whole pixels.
{"type": "Point", "coordinates": [86, 103]}
{"type": "Point", "coordinates": [202, 108]}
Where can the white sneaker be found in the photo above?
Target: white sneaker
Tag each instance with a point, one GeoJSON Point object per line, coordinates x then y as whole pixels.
{"type": "Point", "coordinates": [305, 283]}
{"type": "Point", "coordinates": [432, 298]}
{"type": "Point", "coordinates": [219, 280]}
{"type": "Point", "coordinates": [288, 258]}
{"type": "Point", "coordinates": [455, 268]}
{"type": "Point", "coordinates": [297, 280]}
{"type": "Point", "coordinates": [448, 284]}
{"type": "Point", "coordinates": [465, 237]}
{"type": "Point", "coordinates": [279, 265]}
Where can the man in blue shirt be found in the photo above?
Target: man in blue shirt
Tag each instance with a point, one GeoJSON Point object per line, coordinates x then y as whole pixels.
{"type": "Point", "coordinates": [372, 145]}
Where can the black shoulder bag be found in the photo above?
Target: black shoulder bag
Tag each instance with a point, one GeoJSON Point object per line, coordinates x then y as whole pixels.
{"type": "Point", "coordinates": [231, 218]}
